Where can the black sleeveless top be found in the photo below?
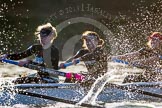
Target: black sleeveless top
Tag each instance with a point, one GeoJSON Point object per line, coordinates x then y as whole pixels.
{"type": "Point", "coordinates": [96, 61]}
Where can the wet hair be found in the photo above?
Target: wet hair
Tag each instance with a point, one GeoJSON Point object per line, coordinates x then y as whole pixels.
{"type": "Point", "coordinates": [45, 30]}
{"type": "Point", "coordinates": [91, 33]}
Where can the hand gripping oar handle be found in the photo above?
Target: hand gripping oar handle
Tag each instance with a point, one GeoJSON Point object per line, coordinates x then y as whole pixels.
{"type": "Point", "coordinates": [119, 61]}
{"type": "Point", "coordinates": [76, 76]}
{"type": "Point", "coordinates": [70, 63]}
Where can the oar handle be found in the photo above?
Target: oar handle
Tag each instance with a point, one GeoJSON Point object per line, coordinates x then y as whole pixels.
{"type": "Point", "coordinates": [70, 63]}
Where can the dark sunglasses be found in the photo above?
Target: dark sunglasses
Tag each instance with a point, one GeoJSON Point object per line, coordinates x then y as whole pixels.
{"type": "Point", "coordinates": [45, 32]}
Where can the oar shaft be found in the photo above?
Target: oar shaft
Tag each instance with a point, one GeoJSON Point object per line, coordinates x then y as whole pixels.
{"type": "Point", "coordinates": [135, 90]}
{"type": "Point", "coordinates": [51, 72]}
{"type": "Point", "coordinates": [46, 70]}
{"type": "Point", "coordinates": [10, 61]}
{"type": "Point", "coordinates": [56, 99]}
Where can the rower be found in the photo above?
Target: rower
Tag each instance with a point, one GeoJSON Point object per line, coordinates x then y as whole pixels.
{"type": "Point", "coordinates": [45, 54]}
{"type": "Point", "coordinates": [94, 55]}
{"type": "Point", "coordinates": [148, 58]}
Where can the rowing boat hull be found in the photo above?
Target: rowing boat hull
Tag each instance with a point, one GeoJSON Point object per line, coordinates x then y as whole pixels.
{"type": "Point", "coordinates": [76, 93]}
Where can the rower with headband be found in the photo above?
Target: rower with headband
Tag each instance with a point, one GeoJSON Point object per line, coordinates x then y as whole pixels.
{"type": "Point", "coordinates": [45, 54]}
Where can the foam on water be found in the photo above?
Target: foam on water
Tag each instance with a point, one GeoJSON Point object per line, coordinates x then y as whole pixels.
{"type": "Point", "coordinates": [96, 88]}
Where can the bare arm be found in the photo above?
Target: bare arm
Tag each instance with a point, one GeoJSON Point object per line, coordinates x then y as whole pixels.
{"type": "Point", "coordinates": [137, 55]}
{"type": "Point", "coordinates": [149, 63]}
{"type": "Point", "coordinates": [69, 59]}
{"type": "Point", "coordinates": [26, 53]}
{"type": "Point", "coordinates": [128, 57]}
{"type": "Point", "coordinates": [79, 54]}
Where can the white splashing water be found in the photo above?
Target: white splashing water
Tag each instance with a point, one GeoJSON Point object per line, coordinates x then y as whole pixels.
{"type": "Point", "coordinates": [96, 88]}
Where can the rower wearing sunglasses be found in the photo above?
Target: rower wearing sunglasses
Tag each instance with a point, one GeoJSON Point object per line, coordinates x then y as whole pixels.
{"type": "Point", "coordinates": [148, 58]}
{"type": "Point", "coordinates": [45, 54]}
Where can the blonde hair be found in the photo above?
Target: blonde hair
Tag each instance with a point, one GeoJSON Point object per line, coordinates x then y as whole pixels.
{"type": "Point", "coordinates": [87, 33]}
{"type": "Point", "coordinates": [46, 26]}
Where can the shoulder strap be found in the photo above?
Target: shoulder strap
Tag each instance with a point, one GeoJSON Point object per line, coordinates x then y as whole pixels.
{"type": "Point", "coordinates": [54, 57]}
